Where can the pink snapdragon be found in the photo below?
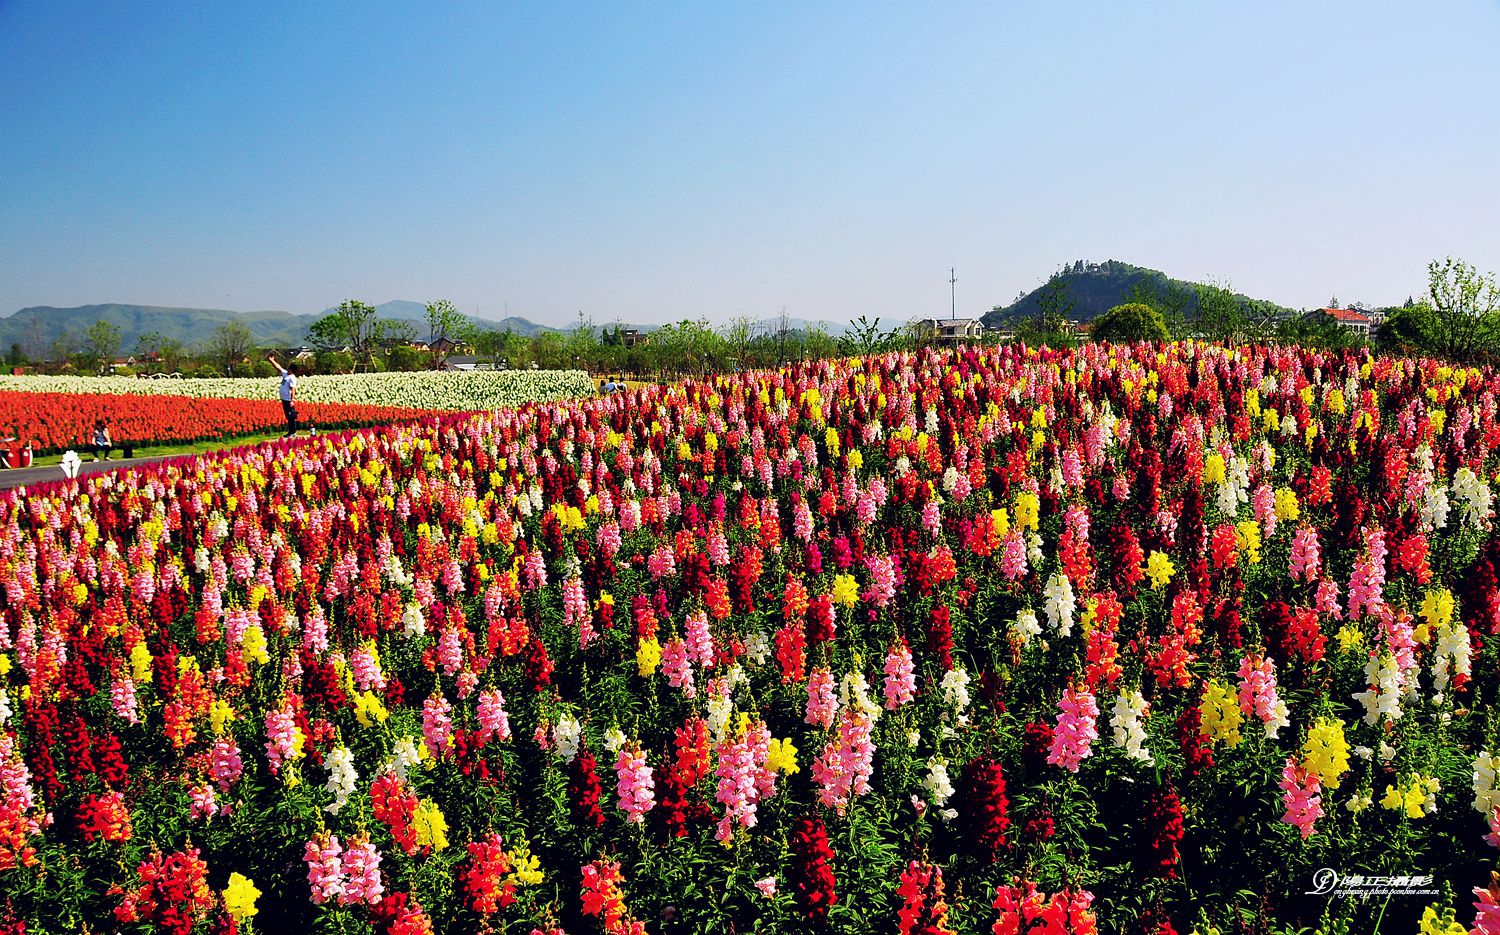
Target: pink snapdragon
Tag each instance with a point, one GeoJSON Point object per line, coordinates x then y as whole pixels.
{"type": "Point", "coordinates": [224, 765]}
{"type": "Point", "coordinates": [844, 768]}
{"type": "Point", "coordinates": [1077, 729]}
{"type": "Point", "coordinates": [202, 803]}
{"type": "Point", "coordinates": [361, 868]}
{"type": "Point", "coordinates": [494, 722]}
{"type": "Point", "coordinates": [1367, 581]}
{"type": "Point", "coordinates": [634, 784]}
{"type": "Point", "coordinates": [1326, 600]}
{"type": "Point", "coordinates": [700, 641]}
{"type": "Point", "coordinates": [437, 725]}
{"type": "Point", "coordinates": [1013, 556]}
{"type": "Point", "coordinates": [932, 518]}
{"type": "Point", "coordinates": [1257, 693]}
{"type": "Point", "coordinates": [366, 671]}
{"type": "Point", "coordinates": [325, 867]}
{"type": "Point", "coordinates": [609, 538]}
{"type": "Point", "coordinates": [122, 699]}
{"type": "Point", "coordinates": [1305, 560]}
{"type": "Point", "coordinates": [281, 737]}
{"type": "Point", "coordinates": [450, 650]}
{"type": "Point", "coordinates": [677, 667]}
{"type": "Point", "coordinates": [743, 779]}
{"type": "Point", "coordinates": [1300, 790]}
{"type": "Point", "coordinates": [882, 569]}
{"type": "Point", "coordinates": [662, 563]}
{"type": "Point", "coordinates": [900, 676]}
{"type": "Point", "coordinates": [821, 703]}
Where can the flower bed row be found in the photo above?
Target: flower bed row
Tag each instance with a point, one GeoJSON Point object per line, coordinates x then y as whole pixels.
{"type": "Point", "coordinates": [456, 391]}
{"type": "Point", "coordinates": [59, 421]}
{"type": "Point", "coordinates": [1128, 640]}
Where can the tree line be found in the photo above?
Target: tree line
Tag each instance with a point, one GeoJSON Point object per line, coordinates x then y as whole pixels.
{"type": "Point", "coordinates": [1458, 319]}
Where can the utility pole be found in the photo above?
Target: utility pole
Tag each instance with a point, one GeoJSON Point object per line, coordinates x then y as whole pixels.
{"type": "Point", "coordinates": [952, 295]}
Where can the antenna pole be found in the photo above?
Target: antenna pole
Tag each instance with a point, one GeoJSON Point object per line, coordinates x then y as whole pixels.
{"type": "Point", "coordinates": [952, 295]}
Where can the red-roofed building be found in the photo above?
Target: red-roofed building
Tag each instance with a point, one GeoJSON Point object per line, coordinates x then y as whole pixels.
{"type": "Point", "coordinates": [1353, 319]}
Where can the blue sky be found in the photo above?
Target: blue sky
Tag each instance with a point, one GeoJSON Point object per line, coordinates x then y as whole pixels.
{"type": "Point", "coordinates": [648, 162]}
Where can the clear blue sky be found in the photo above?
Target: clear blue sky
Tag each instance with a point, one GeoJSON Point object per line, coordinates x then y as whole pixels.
{"type": "Point", "coordinates": [648, 162]}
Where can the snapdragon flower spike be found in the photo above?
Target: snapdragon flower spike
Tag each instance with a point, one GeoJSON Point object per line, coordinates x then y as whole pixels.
{"type": "Point", "coordinates": [1077, 729]}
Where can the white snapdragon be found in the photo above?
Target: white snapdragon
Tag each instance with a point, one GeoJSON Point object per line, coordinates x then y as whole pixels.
{"type": "Point", "coordinates": [1486, 783]}
{"type": "Point", "coordinates": [341, 778]}
{"type": "Point", "coordinates": [412, 624]}
{"type": "Point", "coordinates": [955, 687]}
{"type": "Point", "coordinates": [1383, 698]}
{"type": "Point", "coordinates": [757, 648]}
{"type": "Point", "coordinates": [1026, 626]}
{"type": "Point", "coordinates": [1474, 496]}
{"type": "Point", "coordinates": [939, 786]}
{"type": "Point", "coordinates": [1452, 656]}
{"type": "Point", "coordinates": [567, 733]}
{"type": "Point", "coordinates": [1058, 605]}
{"type": "Point", "coordinates": [1125, 721]}
{"type": "Point", "coordinates": [854, 690]}
{"type": "Point", "coordinates": [406, 756]}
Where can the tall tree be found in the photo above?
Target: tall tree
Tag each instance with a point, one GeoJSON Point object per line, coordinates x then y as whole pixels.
{"type": "Point", "coordinates": [168, 351]}
{"type": "Point", "coordinates": [361, 328]}
{"type": "Point", "coordinates": [1221, 316]}
{"type": "Point", "coordinates": [1054, 305]}
{"type": "Point", "coordinates": [327, 334]}
{"type": "Point", "coordinates": [447, 324]}
{"type": "Point", "coordinates": [737, 334]}
{"type": "Point", "coordinates": [1465, 308]}
{"type": "Point", "coordinates": [230, 344]}
{"type": "Point", "coordinates": [102, 342]}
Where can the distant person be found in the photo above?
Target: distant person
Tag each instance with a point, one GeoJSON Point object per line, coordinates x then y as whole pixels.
{"type": "Point", "coordinates": [102, 443]}
{"type": "Point", "coordinates": [288, 394]}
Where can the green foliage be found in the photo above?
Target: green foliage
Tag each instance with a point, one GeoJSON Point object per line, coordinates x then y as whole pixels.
{"type": "Point", "coordinates": [1133, 321]}
{"type": "Point", "coordinates": [1408, 330]}
{"type": "Point", "coordinates": [864, 337]}
{"type": "Point", "coordinates": [405, 358]}
{"type": "Point", "coordinates": [335, 362]}
{"type": "Point", "coordinates": [327, 333]}
{"type": "Point", "coordinates": [1465, 309]}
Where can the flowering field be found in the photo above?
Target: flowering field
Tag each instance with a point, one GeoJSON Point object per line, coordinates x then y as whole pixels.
{"type": "Point", "coordinates": [459, 391]}
{"type": "Point", "coordinates": [1011, 641]}
{"type": "Point", "coordinates": [58, 421]}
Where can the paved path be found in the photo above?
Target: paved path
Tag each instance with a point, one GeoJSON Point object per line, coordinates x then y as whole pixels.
{"type": "Point", "coordinates": [19, 477]}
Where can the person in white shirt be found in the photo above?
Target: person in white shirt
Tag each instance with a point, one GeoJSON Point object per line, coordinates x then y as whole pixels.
{"type": "Point", "coordinates": [288, 394]}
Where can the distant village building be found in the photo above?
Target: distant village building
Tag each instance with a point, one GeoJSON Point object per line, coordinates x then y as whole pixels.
{"type": "Point", "coordinates": [952, 330]}
{"type": "Point", "coordinates": [466, 362]}
{"type": "Point", "coordinates": [630, 337]}
{"type": "Point", "coordinates": [446, 346]}
{"type": "Point", "coordinates": [1356, 321]}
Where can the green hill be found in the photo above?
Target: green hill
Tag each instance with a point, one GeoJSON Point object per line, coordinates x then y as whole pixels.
{"type": "Point", "coordinates": [1095, 288]}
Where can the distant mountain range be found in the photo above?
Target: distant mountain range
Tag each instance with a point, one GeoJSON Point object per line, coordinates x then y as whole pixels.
{"type": "Point", "coordinates": [36, 328]}
{"type": "Point", "coordinates": [1091, 288]}
{"type": "Point", "coordinates": [1095, 288]}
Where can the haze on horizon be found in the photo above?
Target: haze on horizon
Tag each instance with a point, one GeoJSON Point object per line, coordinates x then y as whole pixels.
{"type": "Point", "coordinates": [687, 160]}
